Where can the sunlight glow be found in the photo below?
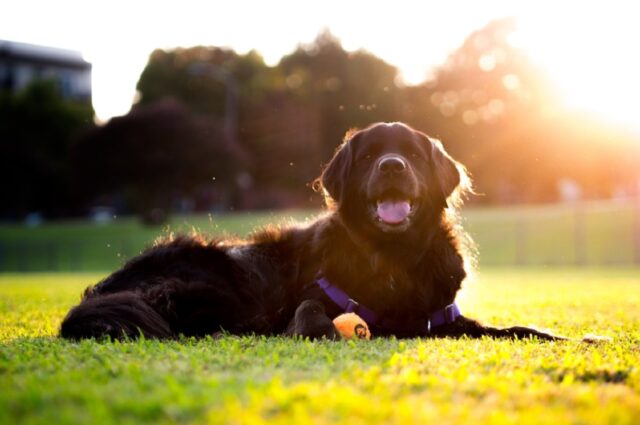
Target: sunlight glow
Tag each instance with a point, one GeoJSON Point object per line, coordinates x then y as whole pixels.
{"type": "Point", "coordinates": [590, 53]}
{"type": "Point", "coordinates": [587, 48]}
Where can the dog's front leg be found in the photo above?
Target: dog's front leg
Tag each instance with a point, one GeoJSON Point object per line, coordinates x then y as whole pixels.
{"type": "Point", "coordinates": [311, 321]}
{"type": "Point", "coordinates": [464, 326]}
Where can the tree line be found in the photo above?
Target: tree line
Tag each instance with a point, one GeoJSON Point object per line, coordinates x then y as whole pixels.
{"type": "Point", "coordinates": [214, 129]}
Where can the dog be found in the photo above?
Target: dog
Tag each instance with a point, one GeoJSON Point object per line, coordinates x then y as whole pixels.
{"type": "Point", "coordinates": [388, 249]}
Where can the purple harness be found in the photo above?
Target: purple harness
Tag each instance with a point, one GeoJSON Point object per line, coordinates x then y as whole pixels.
{"type": "Point", "coordinates": [349, 305]}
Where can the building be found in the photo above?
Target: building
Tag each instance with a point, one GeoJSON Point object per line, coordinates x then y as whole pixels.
{"type": "Point", "coordinates": [22, 63]}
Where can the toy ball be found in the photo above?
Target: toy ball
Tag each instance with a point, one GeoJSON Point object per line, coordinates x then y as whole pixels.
{"type": "Point", "coordinates": [351, 326]}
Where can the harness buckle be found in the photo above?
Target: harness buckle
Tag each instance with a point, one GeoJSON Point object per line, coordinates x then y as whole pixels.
{"type": "Point", "coordinates": [352, 306]}
{"type": "Point", "coordinates": [450, 313]}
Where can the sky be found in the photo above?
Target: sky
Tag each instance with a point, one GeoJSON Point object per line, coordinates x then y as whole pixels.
{"type": "Point", "coordinates": [577, 43]}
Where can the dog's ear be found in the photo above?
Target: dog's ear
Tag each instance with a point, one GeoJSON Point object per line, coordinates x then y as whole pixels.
{"type": "Point", "coordinates": [334, 177]}
{"type": "Point", "coordinates": [446, 170]}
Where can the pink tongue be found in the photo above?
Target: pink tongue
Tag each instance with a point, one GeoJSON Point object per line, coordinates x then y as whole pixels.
{"type": "Point", "coordinates": [393, 212]}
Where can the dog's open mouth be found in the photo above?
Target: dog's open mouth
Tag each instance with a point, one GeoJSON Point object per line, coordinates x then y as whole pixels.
{"type": "Point", "coordinates": [393, 212]}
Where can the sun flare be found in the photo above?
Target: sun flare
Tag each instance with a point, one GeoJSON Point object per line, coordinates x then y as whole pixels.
{"type": "Point", "coordinates": [588, 54]}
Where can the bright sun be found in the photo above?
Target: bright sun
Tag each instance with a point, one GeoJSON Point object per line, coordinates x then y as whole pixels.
{"type": "Point", "coordinates": [590, 53]}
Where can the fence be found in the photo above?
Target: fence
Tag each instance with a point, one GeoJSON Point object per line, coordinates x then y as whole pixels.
{"type": "Point", "coordinates": [585, 233]}
{"type": "Point", "coordinates": [588, 233]}
{"type": "Point", "coordinates": [35, 256]}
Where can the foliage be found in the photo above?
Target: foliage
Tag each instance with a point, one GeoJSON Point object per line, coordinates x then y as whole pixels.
{"type": "Point", "coordinates": [153, 153]}
{"type": "Point", "coordinates": [173, 74]}
{"type": "Point", "coordinates": [345, 89]}
{"type": "Point", "coordinates": [263, 132]}
{"type": "Point", "coordinates": [289, 118]}
{"type": "Point", "coordinates": [275, 380]}
{"type": "Point", "coordinates": [494, 108]}
{"type": "Point", "coordinates": [36, 128]}
{"type": "Point", "coordinates": [499, 114]}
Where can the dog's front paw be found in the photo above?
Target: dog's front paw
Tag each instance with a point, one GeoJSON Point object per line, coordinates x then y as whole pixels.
{"type": "Point", "coordinates": [311, 321]}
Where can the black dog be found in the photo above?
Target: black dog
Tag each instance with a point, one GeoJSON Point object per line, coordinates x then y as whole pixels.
{"type": "Point", "coordinates": [387, 250]}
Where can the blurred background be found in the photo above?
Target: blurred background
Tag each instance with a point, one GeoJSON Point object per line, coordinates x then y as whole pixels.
{"type": "Point", "coordinates": [121, 122]}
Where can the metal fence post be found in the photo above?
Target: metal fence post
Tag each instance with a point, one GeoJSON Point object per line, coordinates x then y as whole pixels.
{"type": "Point", "coordinates": [521, 241]}
{"type": "Point", "coordinates": [580, 234]}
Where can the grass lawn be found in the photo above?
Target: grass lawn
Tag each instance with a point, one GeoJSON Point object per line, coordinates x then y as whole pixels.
{"type": "Point", "coordinates": [274, 380]}
{"type": "Point", "coordinates": [590, 233]}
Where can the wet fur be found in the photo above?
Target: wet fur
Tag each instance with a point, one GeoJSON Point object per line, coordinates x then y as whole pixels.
{"type": "Point", "coordinates": [195, 287]}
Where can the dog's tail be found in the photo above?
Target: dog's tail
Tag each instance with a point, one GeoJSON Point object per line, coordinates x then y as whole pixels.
{"type": "Point", "coordinates": [118, 316]}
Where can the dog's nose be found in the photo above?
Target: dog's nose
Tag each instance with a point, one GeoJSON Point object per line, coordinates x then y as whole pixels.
{"type": "Point", "coordinates": [392, 164]}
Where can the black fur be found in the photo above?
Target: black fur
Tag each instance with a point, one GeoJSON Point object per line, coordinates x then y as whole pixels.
{"type": "Point", "coordinates": [405, 271]}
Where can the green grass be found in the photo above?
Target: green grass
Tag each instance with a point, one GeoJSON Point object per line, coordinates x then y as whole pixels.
{"type": "Point", "coordinates": [590, 233]}
{"type": "Point", "coordinates": [274, 380]}
{"type": "Point", "coordinates": [84, 245]}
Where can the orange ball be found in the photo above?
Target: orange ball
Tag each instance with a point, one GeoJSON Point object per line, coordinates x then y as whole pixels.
{"type": "Point", "coordinates": [350, 325]}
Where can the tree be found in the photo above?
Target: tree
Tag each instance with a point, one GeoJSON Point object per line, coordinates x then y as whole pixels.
{"type": "Point", "coordinates": [172, 74]}
{"type": "Point", "coordinates": [494, 109]}
{"type": "Point", "coordinates": [156, 154]}
{"type": "Point", "coordinates": [290, 117]}
{"type": "Point", "coordinates": [500, 115]}
{"type": "Point", "coordinates": [36, 129]}
{"type": "Point", "coordinates": [346, 89]}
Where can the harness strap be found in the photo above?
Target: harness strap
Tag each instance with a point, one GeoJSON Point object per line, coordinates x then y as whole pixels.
{"type": "Point", "coordinates": [448, 314]}
{"type": "Point", "coordinates": [346, 303]}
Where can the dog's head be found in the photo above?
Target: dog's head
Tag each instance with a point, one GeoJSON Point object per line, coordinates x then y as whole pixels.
{"type": "Point", "coordinates": [392, 177]}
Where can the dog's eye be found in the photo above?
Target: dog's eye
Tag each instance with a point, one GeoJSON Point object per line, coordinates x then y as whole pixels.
{"type": "Point", "coordinates": [366, 157]}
